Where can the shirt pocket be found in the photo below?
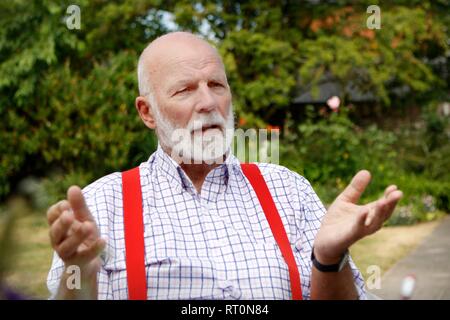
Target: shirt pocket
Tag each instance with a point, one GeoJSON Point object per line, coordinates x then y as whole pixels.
{"type": "Point", "coordinates": [181, 275]}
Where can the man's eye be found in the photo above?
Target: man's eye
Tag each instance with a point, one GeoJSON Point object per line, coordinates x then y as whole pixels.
{"type": "Point", "coordinates": [182, 90]}
{"type": "Point", "coordinates": [216, 84]}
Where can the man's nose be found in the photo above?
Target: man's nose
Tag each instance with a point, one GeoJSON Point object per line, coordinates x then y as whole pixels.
{"type": "Point", "coordinates": [207, 101]}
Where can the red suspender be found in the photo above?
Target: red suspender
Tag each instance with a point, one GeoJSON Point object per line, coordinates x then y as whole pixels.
{"type": "Point", "coordinates": [134, 230]}
{"type": "Point", "coordinates": [134, 235]}
{"type": "Point", "coordinates": [256, 179]}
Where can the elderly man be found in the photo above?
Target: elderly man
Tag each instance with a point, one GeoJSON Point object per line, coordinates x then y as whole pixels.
{"type": "Point", "coordinates": [181, 226]}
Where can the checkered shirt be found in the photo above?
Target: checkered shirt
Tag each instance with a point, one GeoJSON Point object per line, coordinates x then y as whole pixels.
{"type": "Point", "coordinates": [213, 245]}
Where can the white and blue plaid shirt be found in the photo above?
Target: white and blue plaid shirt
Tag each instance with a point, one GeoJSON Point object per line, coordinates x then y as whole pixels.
{"type": "Point", "coordinates": [213, 245]}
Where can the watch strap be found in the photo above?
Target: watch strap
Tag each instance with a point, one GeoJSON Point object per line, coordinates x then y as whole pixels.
{"type": "Point", "coordinates": [330, 267]}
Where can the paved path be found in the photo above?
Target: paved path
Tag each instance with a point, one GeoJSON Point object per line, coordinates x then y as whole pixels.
{"type": "Point", "coordinates": [429, 262]}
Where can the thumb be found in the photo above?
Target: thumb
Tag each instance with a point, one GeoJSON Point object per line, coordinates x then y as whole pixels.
{"type": "Point", "coordinates": [353, 191]}
{"type": "Point", "coordinates": [77, 203]}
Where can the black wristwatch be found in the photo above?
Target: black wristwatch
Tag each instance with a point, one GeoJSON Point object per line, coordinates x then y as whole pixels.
{"type": "Point", "coordinates": [331, 267]}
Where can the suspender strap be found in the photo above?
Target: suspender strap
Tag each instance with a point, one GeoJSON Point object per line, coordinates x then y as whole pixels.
{"type": "Point", "coordinates": [134, 235]}
{"type": "Point", "coordinates": [258, 183]}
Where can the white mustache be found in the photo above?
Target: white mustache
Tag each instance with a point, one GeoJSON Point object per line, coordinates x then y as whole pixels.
{"type": "Point", "coordinates": [211, 120]}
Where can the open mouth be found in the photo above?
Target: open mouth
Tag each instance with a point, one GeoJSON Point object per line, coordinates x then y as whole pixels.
{"type": "Point", "coordinates": [206, 128]}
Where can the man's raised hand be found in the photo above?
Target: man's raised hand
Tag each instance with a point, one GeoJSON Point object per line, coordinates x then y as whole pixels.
{"type": "Point", "coordinates": [73, 232]}
{"type": "Point", "coordinates": [346, 222]}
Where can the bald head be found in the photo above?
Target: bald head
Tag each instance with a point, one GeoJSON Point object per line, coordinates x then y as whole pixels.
{"type": "Point", "coordinates": [172, 49]}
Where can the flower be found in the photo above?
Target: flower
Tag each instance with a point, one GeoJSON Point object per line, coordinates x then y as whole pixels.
{"type": "Point", "coordinates": [334, 103]}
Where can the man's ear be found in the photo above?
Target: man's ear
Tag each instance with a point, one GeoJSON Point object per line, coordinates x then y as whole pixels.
{"type": "Point", "coordinates": [145, 112]}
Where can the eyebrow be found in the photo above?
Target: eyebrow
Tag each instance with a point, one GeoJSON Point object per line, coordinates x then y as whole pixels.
{"type": "Point", "coordinates": [186, 81]}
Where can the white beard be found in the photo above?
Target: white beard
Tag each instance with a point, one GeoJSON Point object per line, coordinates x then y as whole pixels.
{"type": "Point", "coordinates": [189, 144]}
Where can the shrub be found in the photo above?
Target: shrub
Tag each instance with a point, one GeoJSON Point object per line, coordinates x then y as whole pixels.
{"type": "Point", "coordinates": [331, 150]}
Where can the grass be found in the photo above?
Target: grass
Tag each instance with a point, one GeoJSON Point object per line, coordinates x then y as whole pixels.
{"type": "Point", "coordinates": [32, 255]}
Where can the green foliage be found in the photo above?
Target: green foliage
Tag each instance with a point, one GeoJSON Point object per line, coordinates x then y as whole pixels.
{"type": "Point", "coordinates": [67, 96]}
{"type": "Point", "coordinates": [424, 200]}
{"type": "Point", "coordinates": [331, 149]}
{"type": "Point", "coordinates": [425, 148]}
{"type": "Point", "coordinates": [261, 71]}
{"type": "Point", "coordinates": [421, 187]}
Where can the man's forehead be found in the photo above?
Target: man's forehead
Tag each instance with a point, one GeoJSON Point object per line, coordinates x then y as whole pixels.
{"type": "Point", "coordinates": [181, 68]}
{"type": "Point", "coordinates": [181, 48]}
{"type": "Point", "coordinates": [191, 61]}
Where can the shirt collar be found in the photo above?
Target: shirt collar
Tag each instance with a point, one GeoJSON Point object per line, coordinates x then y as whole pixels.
{"type": "Point", "coordinates": [217, 179]}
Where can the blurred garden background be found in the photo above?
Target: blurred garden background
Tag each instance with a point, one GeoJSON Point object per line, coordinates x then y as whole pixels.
{"type": "Point", "coordinates": [68, 115]}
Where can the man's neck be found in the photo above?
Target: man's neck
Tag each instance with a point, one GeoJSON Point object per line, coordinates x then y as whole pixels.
{"type": "Point", "coordinates": [197, 172]}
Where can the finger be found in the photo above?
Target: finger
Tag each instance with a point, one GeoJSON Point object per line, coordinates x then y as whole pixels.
{"type": "Point", "coordinates": [70, 245]}
{"type": "Point", "coordinates": [367, 212]}
{"type": "Point", "coordinates": [385, 206]}
{"type": "Point", "coordinates": [380, 213]}
{"type": "Point", "coordinates": [389, 189]}
{"type": "Point", "coordinates": [381, 210]}
{"type": "Point", "coordinates": [55, 211]}
{"type": "Point", "coordinates": [392, 200]}
{"type": "Point", "coordinates": [353, 191]}
{"type": "Point", "coordinates": [59, 228]}
{"type": "Point", "coordinates": [94, 250]}
{"type": "Point", "coordinates": [75, 225]}
{"type": "Point", "coordinates": [64, 205]}
{"type": "Point", "coordinates": [370, 217]}
{"type": "Point", "coordinates": [79, 207]}
{"type": "Point", "coordinates": [364, 209]}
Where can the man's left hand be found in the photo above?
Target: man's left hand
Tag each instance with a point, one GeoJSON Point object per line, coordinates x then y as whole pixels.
{"type": "Point", "coordinates": [346, 222]}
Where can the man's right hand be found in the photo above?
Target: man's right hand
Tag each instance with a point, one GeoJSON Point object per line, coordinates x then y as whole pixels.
{"type": "Point", "coordinates": [74, 234]}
